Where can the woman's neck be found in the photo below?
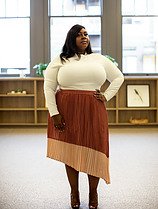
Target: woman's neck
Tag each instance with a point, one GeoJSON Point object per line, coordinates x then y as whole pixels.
{"type": "Point", "coordinates": [81, 52]}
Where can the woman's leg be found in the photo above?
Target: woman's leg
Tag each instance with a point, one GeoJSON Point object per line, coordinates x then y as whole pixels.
{"type": "Point", "coordinates": [93, 196]}
{"type": "Point", "coordinates": [73, 175]}
{"type": "Point", "coordinates": [93, 183]}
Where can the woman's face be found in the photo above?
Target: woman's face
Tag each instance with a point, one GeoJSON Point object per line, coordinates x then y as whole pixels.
{"type": "Point", "coordinates": [82, 40]}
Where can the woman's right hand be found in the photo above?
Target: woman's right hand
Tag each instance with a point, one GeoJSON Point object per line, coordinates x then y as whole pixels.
{"type": "Point", "coordinates": [59, 122]}
{"type": "Point", "coordinates": [100, 96]}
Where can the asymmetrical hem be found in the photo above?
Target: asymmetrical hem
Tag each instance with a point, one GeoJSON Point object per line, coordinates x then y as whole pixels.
{"type": "Point", "coordinates": [81, 158]}
{"type": "Point", "coordinates": [84, 144]}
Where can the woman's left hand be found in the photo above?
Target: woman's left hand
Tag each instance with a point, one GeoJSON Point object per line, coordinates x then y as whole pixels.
{"type": "Point", "coordinates": [99, 96]}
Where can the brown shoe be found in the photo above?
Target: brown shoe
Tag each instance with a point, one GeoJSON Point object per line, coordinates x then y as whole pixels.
{"type": "Point", "coordinates": [75, 200]}
{"type": "Point", "coordinates": [93, 200]}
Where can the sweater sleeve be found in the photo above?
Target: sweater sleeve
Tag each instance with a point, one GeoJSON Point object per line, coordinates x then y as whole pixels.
{"type": "Point", "coordinates": [114, 76]}
{"type": "Point", "coordinates": [50, 85]}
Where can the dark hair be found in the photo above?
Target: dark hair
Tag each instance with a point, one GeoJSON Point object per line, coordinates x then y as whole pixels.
{"type": "Point", "coordinates": [70, 49]}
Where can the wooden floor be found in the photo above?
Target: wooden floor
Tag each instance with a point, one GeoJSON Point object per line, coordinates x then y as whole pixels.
{"type": "Point", "coordinates": [29, 180]}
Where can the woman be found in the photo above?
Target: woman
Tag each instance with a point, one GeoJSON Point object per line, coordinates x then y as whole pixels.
{"type": "Point", "coordinates": [77, 123]}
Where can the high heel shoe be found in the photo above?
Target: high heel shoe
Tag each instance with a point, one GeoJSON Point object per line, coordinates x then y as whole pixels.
{"type": "Point", "coordinates": [75, 200]}
{"type": "Point", "coordinates": [93, 200]}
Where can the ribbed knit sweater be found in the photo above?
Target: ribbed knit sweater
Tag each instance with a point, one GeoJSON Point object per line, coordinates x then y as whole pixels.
{"type": "Point", "coordinates": [87, 72]}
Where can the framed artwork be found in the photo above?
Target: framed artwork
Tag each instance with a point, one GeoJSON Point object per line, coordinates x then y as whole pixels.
{"type": "Point", "coordinates": [138, 96]}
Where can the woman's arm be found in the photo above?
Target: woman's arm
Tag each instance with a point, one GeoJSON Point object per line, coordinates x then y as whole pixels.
{"type": "Point", "coordinates": [50, 86]}
{"type": "Point", "coordinates": [114, 76]}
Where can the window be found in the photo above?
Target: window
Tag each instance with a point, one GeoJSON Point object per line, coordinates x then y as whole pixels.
{"type": "Point", "coordinates": [140, 36]}
{"type": "Point", "coordinates": [34, 32]}
{"type": "Point", "coordinates": [66, 13]}
{"type": "Point", "coordinates": [14, 36]}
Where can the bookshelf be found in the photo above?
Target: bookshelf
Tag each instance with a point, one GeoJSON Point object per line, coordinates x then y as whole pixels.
{"type": "Point", "coordinates": [29, 109]}
{"type": "Point", "coordinates": [22, 109]}
{"type": "Point", "coordinates": [120, 114]}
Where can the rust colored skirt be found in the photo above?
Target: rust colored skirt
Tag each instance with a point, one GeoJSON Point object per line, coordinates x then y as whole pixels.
{"type": "Point", "coordinates": [84, 144]}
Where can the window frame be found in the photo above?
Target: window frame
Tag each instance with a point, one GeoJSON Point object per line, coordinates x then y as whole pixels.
{"type": "Point", "coordinates": [111, 33]}
{"type": "Point", "coordinates": [10, 18]}
{"type": "Point", "coordinates": [39, 39]}
{"type": "Point", "coordinates": [135, 15]}
{"type": "Point", "coordinates": [51, 16]}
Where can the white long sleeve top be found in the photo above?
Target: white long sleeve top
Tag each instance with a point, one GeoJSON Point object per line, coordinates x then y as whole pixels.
{"type": "Point", "coordinates": [88, 72]}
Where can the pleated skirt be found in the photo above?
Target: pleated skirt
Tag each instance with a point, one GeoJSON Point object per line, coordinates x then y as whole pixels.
{"type": "Point", "coordinates": [84, 144]}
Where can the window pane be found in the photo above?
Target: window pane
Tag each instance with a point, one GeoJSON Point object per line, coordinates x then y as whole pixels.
{"type": "Point", "coordinates": [128, 7]}
{"type": "Point", "coordinates": [2, 8]}
{"type": "Point", "coordinates": [11, 8]}
{"type": "Point", "coordinates": [74, 7]}
{"type": "Point", "coordinates": [14, 8]}
{"type": "Point", "coordinates": [139, 7]}
{"type": "Point", "coordinates": [15, 45]}
{"type": "Point", "coordinates": [140, 44]}
{"type": "Point", "coordinates": [24, 8]}
{"type": "Point", "coordinates": [153, 7]}
{"type": "Point", "coordinates": [58, 33]}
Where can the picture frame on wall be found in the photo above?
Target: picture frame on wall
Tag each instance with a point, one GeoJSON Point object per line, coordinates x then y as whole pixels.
{"type": "Point", "coordinates": [138, 95]}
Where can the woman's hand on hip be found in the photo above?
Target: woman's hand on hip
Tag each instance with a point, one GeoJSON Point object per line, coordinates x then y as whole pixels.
{"type": "Point", "coordinates": [99, 96]}
{"type": "Point", "coordinates": [59, 122]}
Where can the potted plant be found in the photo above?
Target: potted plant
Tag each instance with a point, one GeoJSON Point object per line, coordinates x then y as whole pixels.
{"type": "Point", "coordinates": [40, 68]}
{"type": "Point", "coordinates": [112, 59]}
